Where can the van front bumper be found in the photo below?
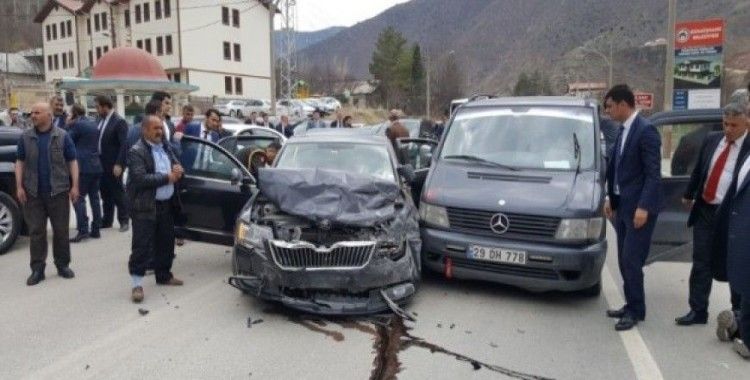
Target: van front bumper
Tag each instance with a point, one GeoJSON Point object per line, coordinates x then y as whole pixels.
{"type": "Point", "coordinates": [548, 266]}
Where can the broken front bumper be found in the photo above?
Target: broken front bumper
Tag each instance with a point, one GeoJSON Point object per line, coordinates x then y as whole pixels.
{"type": "Point", "coordinates": [328, 291]}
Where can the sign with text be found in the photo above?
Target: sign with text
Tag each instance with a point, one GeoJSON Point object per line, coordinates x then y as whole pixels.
{"type": "Point", "coordinates": [644, 100]}
{"type": "Point", "coordinates": [698, 64]}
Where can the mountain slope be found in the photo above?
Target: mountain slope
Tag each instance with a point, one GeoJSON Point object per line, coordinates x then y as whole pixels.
{"type": "Point", "coordinates": [304, 39]}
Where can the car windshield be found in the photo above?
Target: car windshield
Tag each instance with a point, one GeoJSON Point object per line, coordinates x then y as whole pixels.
{"type": "Point", "coordinates": [548, 138]}
{"type": "Point", "coordinates": [362, 159]}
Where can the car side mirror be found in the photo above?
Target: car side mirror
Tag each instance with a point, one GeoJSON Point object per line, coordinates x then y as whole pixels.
{"type": "Point", "coordinates": [406, 172]}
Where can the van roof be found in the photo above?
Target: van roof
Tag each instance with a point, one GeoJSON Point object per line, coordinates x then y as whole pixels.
{"type": "Point", "coordinates": [533, 101]}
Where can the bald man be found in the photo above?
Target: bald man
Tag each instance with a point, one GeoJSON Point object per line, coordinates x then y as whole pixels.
{"type": "Point", "coordinates": [46, 183]}
{"type": "Point", "coordinates": [153, 171]}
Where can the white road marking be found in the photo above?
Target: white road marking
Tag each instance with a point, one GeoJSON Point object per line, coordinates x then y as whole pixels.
{"type": "Point", "coordinates": [640, 357]}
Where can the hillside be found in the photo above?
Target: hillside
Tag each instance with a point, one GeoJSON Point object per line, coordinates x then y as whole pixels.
{"type": "Point", "coordinates": [305, 39]}
{"type": "Point", "coordinates": [495, 40]}
{"type": "Point", "coordinates": [17, 29]}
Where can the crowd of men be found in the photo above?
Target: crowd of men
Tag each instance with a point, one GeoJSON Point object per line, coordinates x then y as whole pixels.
{"type": "Point", "coordinates": [68, 158]}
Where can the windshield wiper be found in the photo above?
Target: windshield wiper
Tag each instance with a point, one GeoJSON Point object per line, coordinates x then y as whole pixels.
{"type": "Point", "coordinates": [482, 161]}
{"type": "Point", "coordinates": [577, 150]}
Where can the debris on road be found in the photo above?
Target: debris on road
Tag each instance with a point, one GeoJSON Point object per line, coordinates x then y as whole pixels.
{"type": "Point", "coordinates": [143, 311]}
{"type": "Point", "coordinates": [251, 322]}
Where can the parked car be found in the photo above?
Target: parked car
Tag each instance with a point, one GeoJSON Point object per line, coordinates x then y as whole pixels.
{"type": "Point", "coordinates": [256, 130]}
{"type": "Point", "coordinates": [11, 219]}
{"type": "Point", "coordinates": [331, 229]}
{"type": "Point", "coordinates": [256, 105]}
{"type": "Point", "coordinates": [289, 107]}
{"type": "Point", "coordinates": [332, 104]}
{"type": "Point", "coordinates": [231, 107]}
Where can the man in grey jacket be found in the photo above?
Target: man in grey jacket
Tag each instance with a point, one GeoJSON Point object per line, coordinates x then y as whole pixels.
{"type": "Point", "coordinates": [46, 183]}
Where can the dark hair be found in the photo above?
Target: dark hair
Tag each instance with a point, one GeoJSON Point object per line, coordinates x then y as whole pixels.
{"type": "Point", "coordinates": [104, 101]}
{"type": "Point", "coordinates": [77, 110]}
{"type": "Point", "coordinates": [160, 96]}
{"type": "Point", "coordinates": [347, 117]}
{"type": "Point", "coordinates": [275, 145]}
{"type": "Point", "coordinates": [213, 111]}
{"type": "Point", "coordinates": [188, 108]}
{"type": "Point", "coordinates": [621, 93]}
{"type": "Point", "coordinates": [153, 107]}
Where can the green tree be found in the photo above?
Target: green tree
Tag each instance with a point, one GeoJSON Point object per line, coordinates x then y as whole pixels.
{"type": "Point", "coordinates": [536, 84]}
{"type": "Point", "coordinates": [523, 85]}
{"type": "Point", "coordinates": [388, 64]}
{"type": "Point", "coordinates": [417, 82]}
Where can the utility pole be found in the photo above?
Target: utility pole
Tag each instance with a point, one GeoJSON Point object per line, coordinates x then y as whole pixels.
{"type": "Point", "coordinates": [611, 61]}
{"type": "Point", "coordinates": [427, 95]}
{"type": "Point", "coordinates": [273, 6]}
{"type": "Point", "coordinates": [669, 66]}
{"type": "Point", "coordinates": [288, 58]}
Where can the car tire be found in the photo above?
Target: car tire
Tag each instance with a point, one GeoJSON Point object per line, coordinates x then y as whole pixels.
{"type": "Point", "coordinates": [238, 114]}
{"type": "Point", "coordinates": [592, 291]}
{"type": "Point", "coordinates": [10, 222]}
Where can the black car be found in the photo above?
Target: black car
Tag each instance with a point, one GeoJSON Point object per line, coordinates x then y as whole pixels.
{"type": "Point", "coordinates": [331, 229]}
{"type": "Point", "coordinates": [11, 219]}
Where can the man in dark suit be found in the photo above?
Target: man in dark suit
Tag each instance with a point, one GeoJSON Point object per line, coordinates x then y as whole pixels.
{"type": "Point", "coordinates": [85, 136]}
{"type": "Point", "coordinates": [60, 118]}
{"type": "Point", "coordinates": [113, 132]}
{"type": "Point", "coordinates": [633, 204]}
{"type": "Point", "coordinates": [709, 184]}
{"type": "Point", "coordinates": [284, 127]}
{"type": "Point", "coordinates": [208, 129]}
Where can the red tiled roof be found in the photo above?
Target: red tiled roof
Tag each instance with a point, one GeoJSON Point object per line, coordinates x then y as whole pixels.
{"type": "Point", "coordinates": [129, 63]}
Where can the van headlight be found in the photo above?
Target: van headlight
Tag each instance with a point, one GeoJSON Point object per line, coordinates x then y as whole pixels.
{"type": "Point", "coordinates": [252, 235]}
{"type": "Point", "coordinates": [579, 229]}
{"type": "Point", "coordinates": [434, 215]}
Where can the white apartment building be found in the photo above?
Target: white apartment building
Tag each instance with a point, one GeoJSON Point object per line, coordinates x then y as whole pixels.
{"type": "Point", "coordinates": [221, 46]}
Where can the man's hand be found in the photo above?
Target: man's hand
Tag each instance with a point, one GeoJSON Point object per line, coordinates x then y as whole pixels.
{"type": "Point", "coordinates": [173, 177]}
{"type": "Point", "coordinates": [688, 203]}
{"type": "Point", "coordinates": [177, 169]}
{"type": "Point", "coordinates": [608, 210]}
{"type": "Point", "coordinates": [117, 171]}
{"type": "Point", "coordinates": [74, 194]}
{"type": "Point", "coordinates": [21, 195]}
{"type": "Point", "coordinates": [640, 218]}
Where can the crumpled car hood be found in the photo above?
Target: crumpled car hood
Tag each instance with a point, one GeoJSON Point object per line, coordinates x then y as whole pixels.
{"type": "Point", "coordinates": [328, 195]}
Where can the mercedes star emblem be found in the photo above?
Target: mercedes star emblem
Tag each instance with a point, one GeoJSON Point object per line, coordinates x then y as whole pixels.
{"type": "Point", "coordinates": [499, 223]}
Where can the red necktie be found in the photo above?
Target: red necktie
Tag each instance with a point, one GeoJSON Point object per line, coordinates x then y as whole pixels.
{"type": "Point", "coordinates": [713, 179]}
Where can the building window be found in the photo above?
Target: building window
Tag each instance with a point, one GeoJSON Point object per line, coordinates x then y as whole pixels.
{"type": "Point", "coordinates": [237, 53]}
{"type": "Point", "coordinates": [225, 15]}
{"type": "Point", "coordinates": [57, 62]}
{"type": "Point", "coordinates": [62, 29]}
{"type": "Point", "coordinates": [177, 77]}
{"type": "Point", "coordinates": [106, 49]}
{"type": "Point", "coordinates": [70, 28]}
{"type": "Point", "coordinates": [147, 41]}
{"type": "Point", "coordinates": [49, 32]}
{"type": "Point", "coordinates": [91, 58]}
{"type": "Point", "coordinates": [236, 18]}
{"type": "Point", "coordinates": [146, 12]}
{"type": "Point", "coordinates": [157, 10]}
{"type": "Point", "coordinates": [228, 85]}
{"type": "Point", "coordinates": [64, 61]}
{"type": "Point", "coordinates": [137, 14]}
{"type": "Point", "coordinates": [88, 26]}
{"type": "Point", "coordinates": [167, 9]}
{"type": "Point", "coordinates": [70, 60]}
{"type": "Point", "coordinates": [139, 44]}
{"type": "Point", "coordinates": [97, 24]}
{"type": "Point", "coordinates": [104, 20]}
{"type": "Point", "coordinates": [227, 51]}
{"type": "Point", "coordinates": [98, 53]}
{"type": "Point", "coordinates": [168, 43]}
{"type": "Point", "coordinates": [238, 85]}
{"type": "Point", "coordinates": [126, 15]}
{"type": "Point", "coordinates": [54, 31]}
{"type": "Point", "coordinates": [159, 45]}
{"type": "Point", "coordinates": [49, 62]}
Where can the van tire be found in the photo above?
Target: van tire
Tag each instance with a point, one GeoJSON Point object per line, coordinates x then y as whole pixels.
{"type": "Point", "coordinates": [593, 291]}
{"type": "Point", "coordinates": [10, 213]}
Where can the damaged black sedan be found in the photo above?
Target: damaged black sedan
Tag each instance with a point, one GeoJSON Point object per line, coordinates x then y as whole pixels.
{"type": "Point", "coordinates": [330, 229]}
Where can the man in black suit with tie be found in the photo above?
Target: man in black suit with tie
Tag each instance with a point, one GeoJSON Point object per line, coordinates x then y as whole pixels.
{"type": "Point", "coordinates": [284, 128]}
{"type": "Point", "coordinates": [85, 136]}
{"type": "Point", "coordinates": [634, 198]}
{"type": "Point", "coordinates": [113, 132]}
{"type": "Point", "coordinates": [708, 186]}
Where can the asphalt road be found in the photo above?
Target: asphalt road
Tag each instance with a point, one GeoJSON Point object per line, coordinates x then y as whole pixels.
{"type": "Point", "coordinates": [87, 328]}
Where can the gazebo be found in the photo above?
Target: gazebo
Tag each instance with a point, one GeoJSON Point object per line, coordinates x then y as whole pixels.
{"type": "Point", "coordinates": [126, 71]}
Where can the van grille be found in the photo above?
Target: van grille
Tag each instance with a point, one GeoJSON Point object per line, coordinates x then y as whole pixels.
{"type": "Point", "coordinates": [521, 226]}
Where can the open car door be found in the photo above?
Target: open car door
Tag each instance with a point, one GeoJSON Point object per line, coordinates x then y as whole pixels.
{"type": "Point", "coordinates": [213, 191]}
{"type": "Point", "coordinates": [417, 152]}
{"type": "Point", "coordinates": [240, 146]}
{"type": "Point", "coordinates": [682, 134]}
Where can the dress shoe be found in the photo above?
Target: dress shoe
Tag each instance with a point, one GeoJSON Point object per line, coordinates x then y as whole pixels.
{"type": "Point", "coordinates": [106, 225]}
{"type": "Point", "coordinates": [179, 242]}
{"type": "Point", "coordinates": [35, 278]}
{"type": "Point", "coordinates": [125, 228]}
{"type": "Point", "coordinates": [137, 294]}
{"type": "Point", "coordinates": [619, 313]}
{"type": "Point", "coordinates": [65, 272]}
{"type": "Point", "coordinates": [726, 326]}
{"type": "Point", "coordinates": [172, 282]}
{"type": "Point", "coordinates": [81, 236]}
{"type": "Point", "coordinates": [692, 318]}
{"type": "Point", "coordinates": [741, 348]}
{"type": "Point", "coordinates": [627, 322]}
{"type": "Point", "coordinates": [95, 234]}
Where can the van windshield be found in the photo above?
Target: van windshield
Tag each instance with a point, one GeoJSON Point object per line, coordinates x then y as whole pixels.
{"type": "Point", "coordinates": [547, 138]}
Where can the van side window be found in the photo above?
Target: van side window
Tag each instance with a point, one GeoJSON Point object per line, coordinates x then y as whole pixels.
{"type": "Point", "coordinates": [681, 145]}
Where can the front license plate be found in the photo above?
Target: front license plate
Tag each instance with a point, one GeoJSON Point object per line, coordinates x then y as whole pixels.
{"type": "Point", "coordinates": [497, 255]}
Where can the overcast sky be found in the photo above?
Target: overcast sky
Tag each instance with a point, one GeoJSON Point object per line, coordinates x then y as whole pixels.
{"type": "Point", "coordinates": [321, 14]}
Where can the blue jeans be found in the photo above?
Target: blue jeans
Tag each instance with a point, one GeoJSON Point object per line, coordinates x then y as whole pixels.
{"type": "Point", "coordinates": [88, 185]}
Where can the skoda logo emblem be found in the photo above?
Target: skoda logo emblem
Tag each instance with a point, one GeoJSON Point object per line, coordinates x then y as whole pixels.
{"type": "Point", "coordinates": [499, 223]}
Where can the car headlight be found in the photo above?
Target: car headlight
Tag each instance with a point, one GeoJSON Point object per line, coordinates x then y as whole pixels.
{"type": "Point", "coordinates": [579, 229]}
{"type": "Point", "coordinates": [252, 235]}
{"type": "Point", "coordinates": [435, 215]}
{"type": "Point", "coordinates": [391, 249]}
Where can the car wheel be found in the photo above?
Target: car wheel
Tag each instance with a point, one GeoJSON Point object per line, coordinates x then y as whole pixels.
{"type": "Point", "coordinates": [10, 222]}
{"type": "Point", "coordinates": [593, 291]}
{"type": "Point", "coordinates": [238, 114]}
{"type": "Point", "coordinates": [232, 113]}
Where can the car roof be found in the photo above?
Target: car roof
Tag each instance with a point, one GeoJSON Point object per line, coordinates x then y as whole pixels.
{"type": "Point", "coordinates": [687, 116]}
{"type": "Point", "coordinates": [564, 101]}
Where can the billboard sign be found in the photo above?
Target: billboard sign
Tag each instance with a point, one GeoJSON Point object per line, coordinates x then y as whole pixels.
{"type": "Point", "coordinates": [698, 64]}
{"type": "Point", "coordinates": [644, 100]}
